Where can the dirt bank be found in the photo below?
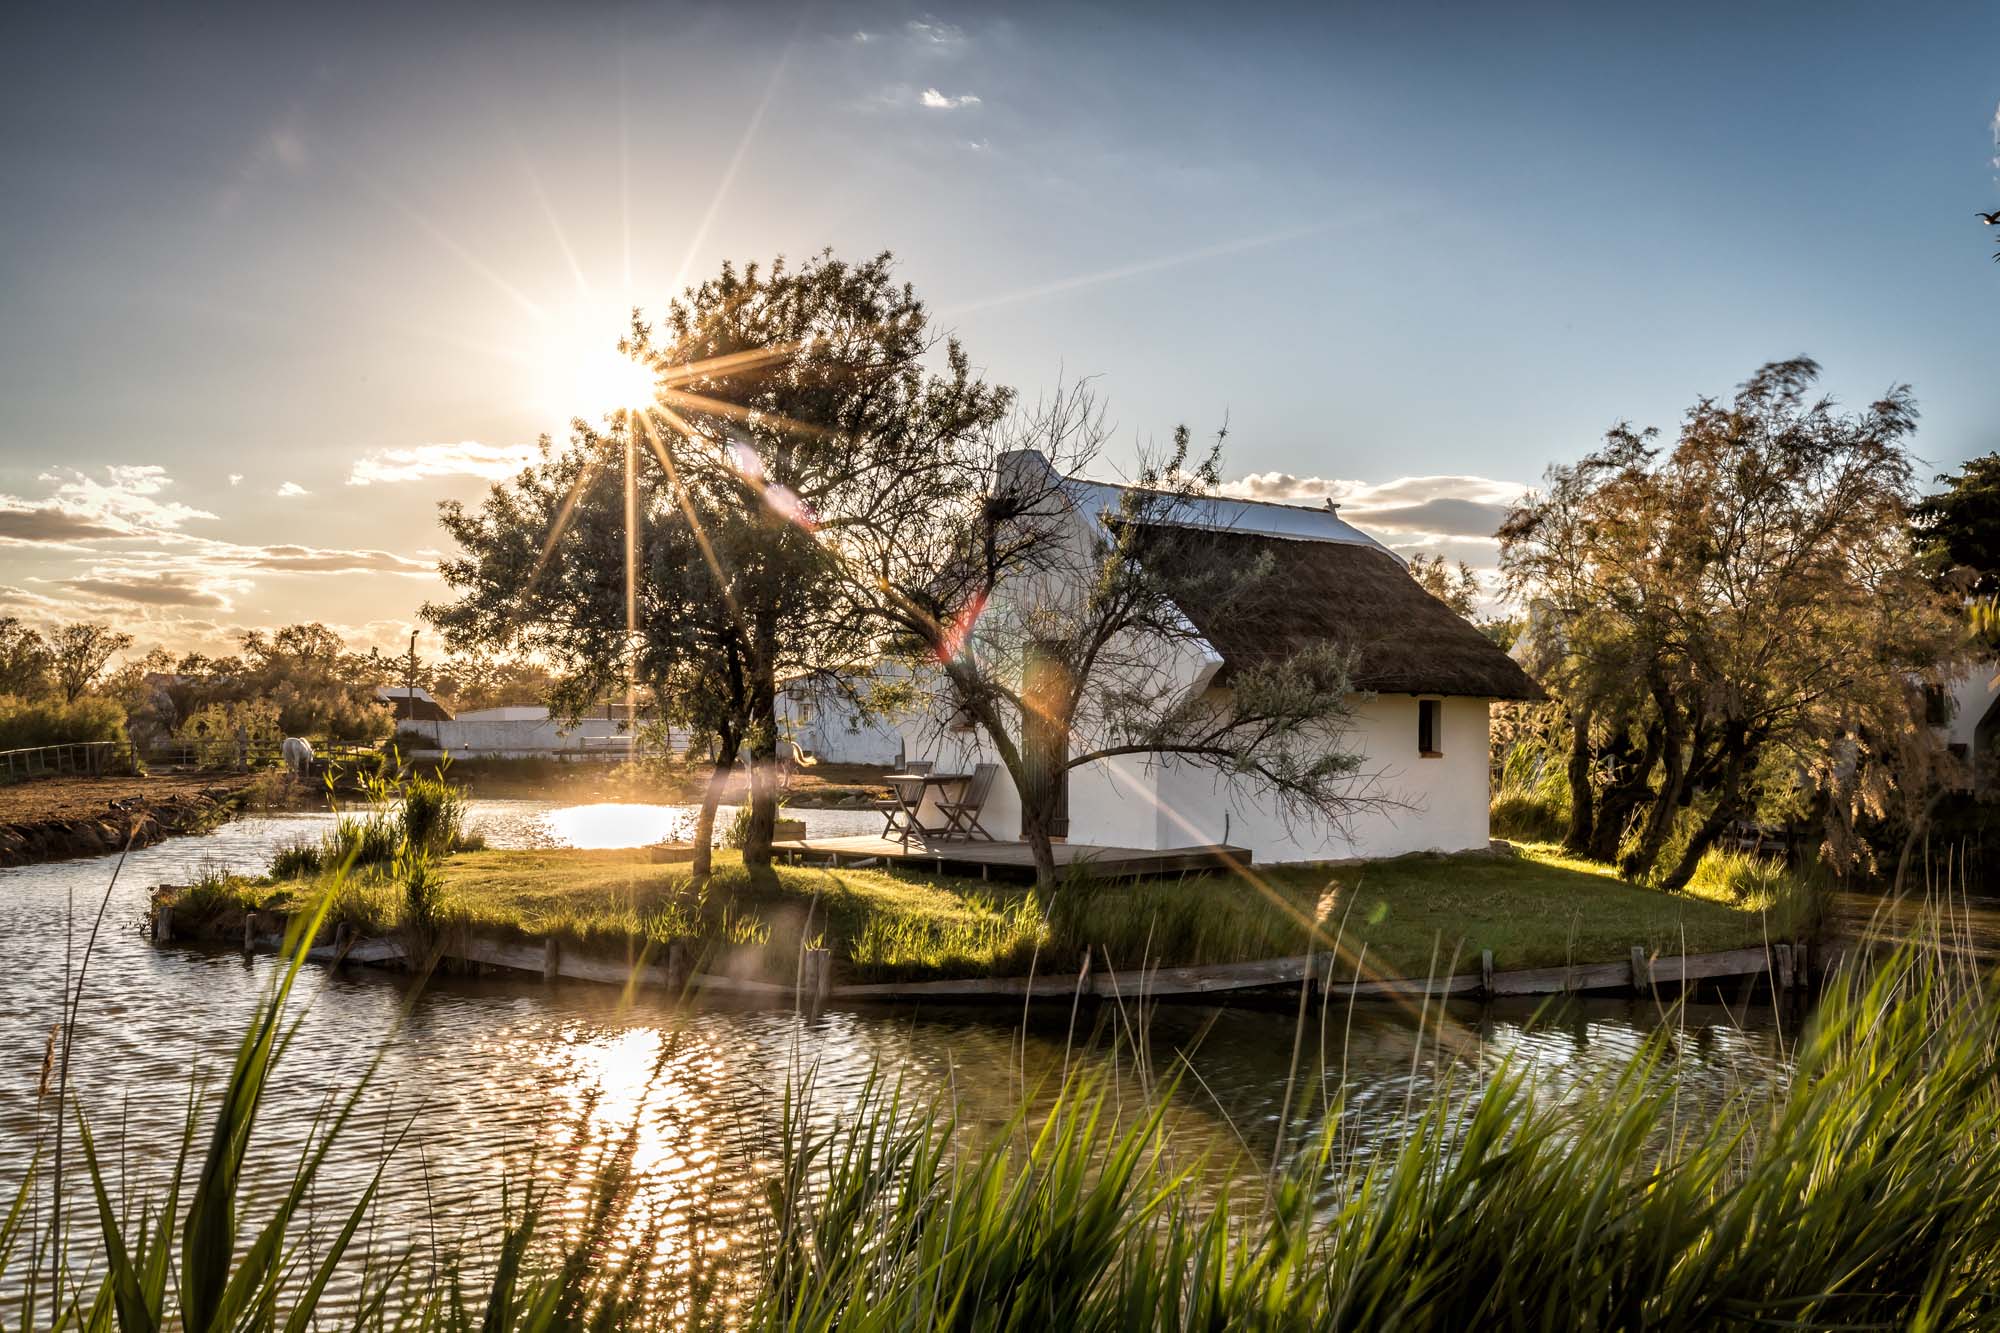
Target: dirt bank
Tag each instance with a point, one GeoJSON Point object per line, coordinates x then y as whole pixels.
{"type": "Point", "coordinates": [54, 818]}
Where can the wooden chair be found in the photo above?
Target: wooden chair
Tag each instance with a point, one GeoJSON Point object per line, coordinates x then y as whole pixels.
{"type": "Point", "coordinates": [962, 815]}
{"type": "Point", "coordinates": [899, 809]}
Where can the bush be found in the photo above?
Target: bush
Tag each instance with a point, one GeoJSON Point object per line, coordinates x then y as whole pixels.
{"type": "Point", "coordinates": [298, 860]}
{"type": "Point", "coordinates": [30, 722]}
{"type": "Point", "coordinates": [433, 816]}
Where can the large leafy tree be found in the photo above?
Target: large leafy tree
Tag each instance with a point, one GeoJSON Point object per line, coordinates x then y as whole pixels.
{"type": "Point", "coordinates": [24, 660]}
{"type": "Point", "coordinates": [79, 653]}
{"type": "Point", "coordinates": [1735, 619]}
{"type": "Point", "coordinates": [543, 571]}
{"type": "Point", "coordinates": [806, 417]}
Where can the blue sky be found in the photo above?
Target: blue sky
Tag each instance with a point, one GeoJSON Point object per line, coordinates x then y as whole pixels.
{"type": "Point", "coordinates": [1411, 254]}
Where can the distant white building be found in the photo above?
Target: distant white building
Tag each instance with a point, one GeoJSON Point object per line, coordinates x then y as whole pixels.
{"type": "Point", "coordinates": [828, 725]}
{"type": "Point", "coordinates": [526, 731]}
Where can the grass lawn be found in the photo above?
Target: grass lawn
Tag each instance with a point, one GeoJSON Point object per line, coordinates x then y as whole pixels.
{"type": "Point", "coordinates": [1415, 914]}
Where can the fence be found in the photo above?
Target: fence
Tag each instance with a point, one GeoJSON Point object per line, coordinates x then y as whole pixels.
{"type": "Point", "coordinates": [97, 758]}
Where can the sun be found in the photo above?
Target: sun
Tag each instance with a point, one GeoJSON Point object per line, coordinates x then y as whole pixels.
{"type": "Point", "coordinates": [581, 373]}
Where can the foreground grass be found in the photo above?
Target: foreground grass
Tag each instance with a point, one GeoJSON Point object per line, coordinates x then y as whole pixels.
{"type": "Point", "coordinates": [1864, 1192]}
{"type": "Point", "coordinates": [1414, 916]}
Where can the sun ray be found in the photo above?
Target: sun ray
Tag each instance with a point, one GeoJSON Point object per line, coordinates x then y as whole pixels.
{"type": "Point", "coordinates": [1062, 285]}
{"type": "Point", "coordinates": [736, 161]}
{"type": "Point", "coordinates": [445, 239]}
{"type": "Point", "coordinates": [584, 476]}
{"type": "Point", "coordinates": [555, 227]}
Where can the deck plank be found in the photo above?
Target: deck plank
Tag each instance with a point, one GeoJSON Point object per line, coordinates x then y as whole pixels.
{"type": "Point", "coordinates": [1017, 856]}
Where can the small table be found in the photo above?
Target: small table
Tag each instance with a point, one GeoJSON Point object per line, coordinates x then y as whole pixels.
{"type": "Point", "coordinates": [942, 781]}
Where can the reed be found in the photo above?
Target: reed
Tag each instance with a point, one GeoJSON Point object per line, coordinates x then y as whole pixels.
{"type": "Point", "coordinates": [1862, 1192]}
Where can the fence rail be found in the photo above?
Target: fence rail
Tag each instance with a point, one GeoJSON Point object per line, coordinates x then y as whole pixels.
{"type": "Point", "coordinates": [98, 758]}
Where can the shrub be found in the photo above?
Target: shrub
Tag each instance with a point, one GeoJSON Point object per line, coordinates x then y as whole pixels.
{"type": "Point", "coordinates": [433, 816]}
{"type": "Point", "coordinates": [30, 722]}
{"type": "Point", "coordinates": [297, 860]}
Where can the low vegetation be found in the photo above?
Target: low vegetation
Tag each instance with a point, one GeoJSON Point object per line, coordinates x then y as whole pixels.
{"type": "Point", "coordinates": [1414, 916]}
{"type": "Point", "coordinates": [1861, 1192]}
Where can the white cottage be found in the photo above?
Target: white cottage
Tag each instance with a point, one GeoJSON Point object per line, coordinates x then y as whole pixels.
{"type": "Point", "coordinates": [1427, 680]}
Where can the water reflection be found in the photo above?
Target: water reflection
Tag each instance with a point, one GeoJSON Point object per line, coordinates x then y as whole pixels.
{"type": "Point", "coordinates": [494, 1079]}
{"type": "Point", "coordinates": [631, 824]}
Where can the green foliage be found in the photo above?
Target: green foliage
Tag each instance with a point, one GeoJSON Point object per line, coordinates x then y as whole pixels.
{"type": "Point", "coordinates": [52, 721]}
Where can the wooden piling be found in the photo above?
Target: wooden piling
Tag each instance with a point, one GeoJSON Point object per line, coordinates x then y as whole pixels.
{"type": "Point", "coordinates": [1642, 971]}
{"type": "Point", "coordinates": [1783, 977]}
{"type": "Point", "coordinates": [249, 932]}
{"type": "Point", "coordinates": [1486, 973]}
{"type": "Point", "coordinates": [677, 968]}
{"type": "Point", "coordinates": [551, 958]}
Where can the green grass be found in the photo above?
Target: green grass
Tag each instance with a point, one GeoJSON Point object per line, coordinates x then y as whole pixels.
{"type": "Point", "coordinates": [1415, 915]}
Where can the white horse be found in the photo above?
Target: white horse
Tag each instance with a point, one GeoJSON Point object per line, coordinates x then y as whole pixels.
{"type": "Point", "coordinates": [298, 755]}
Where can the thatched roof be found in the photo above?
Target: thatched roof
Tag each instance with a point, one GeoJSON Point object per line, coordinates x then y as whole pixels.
{"type": "Point", "coordinates": [1354, 594]}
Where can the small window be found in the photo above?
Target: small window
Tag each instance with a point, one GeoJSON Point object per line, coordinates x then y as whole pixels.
{"type": "Point", "coordinates": [1429, 713]}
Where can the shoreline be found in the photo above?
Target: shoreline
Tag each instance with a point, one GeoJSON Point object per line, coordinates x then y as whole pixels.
{"type": "Point", "coordinates": [60, 819]}
{"type": "Point", "coordinates": [672, 974]}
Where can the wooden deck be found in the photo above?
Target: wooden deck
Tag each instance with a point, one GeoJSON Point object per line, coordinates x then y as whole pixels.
{"type": "Point", "coordinates": [1007, 859]}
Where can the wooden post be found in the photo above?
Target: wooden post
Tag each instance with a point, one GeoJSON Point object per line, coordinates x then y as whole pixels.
{"type": "Point", "coordinates": [1642, 971]}
{"type": "Point", "coordinates": [1486, 973]}
{"type": "Point", "coordinates": [551, 958]}
{"type": "Point", "coordinates": [1784, 976]}
{"type": "Point", "coordinates": [343, 939]}
{"type": "Point", "coordinates": [249, 931]}
{"type": "Point", "coordinates": [677, 968]}
{"type": "Point", "coordinates": [163, 923]}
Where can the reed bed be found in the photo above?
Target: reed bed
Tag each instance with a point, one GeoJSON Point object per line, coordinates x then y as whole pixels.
{"type": "Point", "coordinates": [1864, 1192]}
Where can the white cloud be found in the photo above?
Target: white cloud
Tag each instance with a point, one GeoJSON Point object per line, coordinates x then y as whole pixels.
{"type": "Point", "coordinates": [235, 478]}
{"type": "Point", "coordinates": [467, 458]}
{"type": "Point", "coordinates": [937, 101]}
{"type": "Point", "coordinates": [159, 590]}
{"type": "Point", "coordinates": [1456, 514]}
{"type": "Point", "coordinates": [290, 490]}
{"type": "Point", "coordinates": [126, 503]}
{"type": "Point", "coordinates": [934, 32]}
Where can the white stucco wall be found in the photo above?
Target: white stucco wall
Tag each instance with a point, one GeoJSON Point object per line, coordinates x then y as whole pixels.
{"type": "Point", "coordinates": [1427, 804]}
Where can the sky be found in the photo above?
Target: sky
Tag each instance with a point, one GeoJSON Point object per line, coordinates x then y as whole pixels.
{"type": "Point", "coordinates": [274, 281]}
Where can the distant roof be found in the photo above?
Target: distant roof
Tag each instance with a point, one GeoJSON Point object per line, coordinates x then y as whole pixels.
{"type": "Point", "coordinates": [1356, 594]}
{"type": "Point", "coordinates": [420, 708]}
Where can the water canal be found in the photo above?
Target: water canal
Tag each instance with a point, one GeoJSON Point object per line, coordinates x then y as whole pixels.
{"type": "Point", "coordinates": [488, 1080]}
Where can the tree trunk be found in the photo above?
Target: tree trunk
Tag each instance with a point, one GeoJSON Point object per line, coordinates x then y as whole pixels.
{"type": "Point", "coordinates": [1045, 726]}
{"type": "Point", "coordinates": [1581, 799]}
{"type": "Point", "coordinates": [1673, 775]}
{"type": "Point", "coordinates": [763, 745]}
{"type": "Point", "coordinates": [704, 822]}
{"type": "Point", "coordinates": [1628, 790]}
{"type": "Point", "coordinates": [1727, 807]}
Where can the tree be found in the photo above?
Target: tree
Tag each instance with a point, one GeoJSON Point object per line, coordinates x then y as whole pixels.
{"type": "Point", "coordinates": [1456, 586]}
{"type": "Point", "coordinates": [78, 654]}
{"type": "Point", "coordinates": [319, 687]}
{"type": "Point", "coordinates": [1957, 532]}
{"type": "Point", "coordinates": [804, 418]}
{"type": "Point", "coordinates": [542, 570]}
{"type": "Point", "coordinates": [1729, 621]}
{"type": "Point", "coordinates": [24, 660]}
{"type": "Point", "coordinates": [1059, 632]}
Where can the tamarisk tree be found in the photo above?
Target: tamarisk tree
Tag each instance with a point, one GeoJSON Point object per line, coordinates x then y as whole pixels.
{"type": "Point", "coordinates": [1738, 620]}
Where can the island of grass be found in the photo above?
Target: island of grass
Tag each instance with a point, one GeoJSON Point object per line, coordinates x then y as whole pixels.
{"type": "Point", "coordinates": [1416, 916]}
